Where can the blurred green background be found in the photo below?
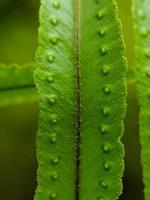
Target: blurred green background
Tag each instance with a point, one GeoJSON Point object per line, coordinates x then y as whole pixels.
{"type": "Point", "coordinates": [18, 123]}
{"type": "Point", "coordinates": [18, 30]}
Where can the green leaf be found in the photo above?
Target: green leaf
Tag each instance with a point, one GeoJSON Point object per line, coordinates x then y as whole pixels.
{"type": "Point", "coordinates": [17, 84]}
{"type": "Point", "coordinates": [142, 51]}
{"type": "Point", "coordinates": [80, 79]}
{"type": "Point", "coordinates": [16, 76]}
{"type": "Point", "coordinates": [18, 96]}
{"type": "Point", "coordinates": [102, 94]}
{"type": "Point", "coordinates": [56, 82]}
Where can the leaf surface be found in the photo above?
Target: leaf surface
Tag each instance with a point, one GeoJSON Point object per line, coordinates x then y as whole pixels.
{"type": "Point", "coordinates": [16, 76]}
{"type": "Point", "coordinates": [56, 82]}
{"type": "Point", "coordinates": [80, 79]}
{"type": "Point", "coordinates": [102, 94]}
{"type": "Point", "coordinates": [17, 84]}
{"type": "Point", "coordinates": [142, 51]}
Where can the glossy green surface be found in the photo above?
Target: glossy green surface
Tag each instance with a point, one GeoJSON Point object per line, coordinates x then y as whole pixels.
{"type": "Point", "coordinates": [102, 93]}
{"type": "Point", "coordinates": [80, 79]}
{"type": "Point", "coordinates": [56, 82]}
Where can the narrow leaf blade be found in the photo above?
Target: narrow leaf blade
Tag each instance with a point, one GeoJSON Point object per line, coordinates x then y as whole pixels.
{"type": "Point", "coordinates": [56, 82]}
{"type": "Point", "coordinates": [142, 51]}
{"type": "Point", "coordinates": [102, 93]}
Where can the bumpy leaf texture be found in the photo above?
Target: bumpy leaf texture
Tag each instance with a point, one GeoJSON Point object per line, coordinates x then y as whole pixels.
{"type": "Point", "coordinates": [16, 84]}
{"type": "Point", "coordinates": [80, 79]}
{"type": "Point", "coordinates": [142, 34]}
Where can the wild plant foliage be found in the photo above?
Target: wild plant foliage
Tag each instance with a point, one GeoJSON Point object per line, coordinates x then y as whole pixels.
{"type": "Point", "coordinates": [142, 50]}
{"type": "Point", "coordinates": [81, 83]}
{"type": "Point", "coordinates": [17, 84]}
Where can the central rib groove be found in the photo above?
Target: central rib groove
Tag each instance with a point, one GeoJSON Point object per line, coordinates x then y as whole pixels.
{"type": "Point", "coordinates": [77, 56]}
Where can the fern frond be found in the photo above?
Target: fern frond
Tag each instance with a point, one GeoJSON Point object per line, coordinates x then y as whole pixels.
{"type": "Point", "coordinates": [142, 50]}
{"type": "Point", "coordinates": [15, 76]}
{"type": "Point", "coordinates": [17, 84]}
{"type": "Point", "coordinates": [103, 93]}
{"type": "Point", "coordinates": [18, 96]}
{"type": "Point", "coordinates": [81, 83]}
{"type": "Point", "coordinates": [56, 82]}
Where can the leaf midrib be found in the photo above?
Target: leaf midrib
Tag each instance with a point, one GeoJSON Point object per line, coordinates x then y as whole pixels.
{"type": "Point", "coordinates": [77, 56]}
